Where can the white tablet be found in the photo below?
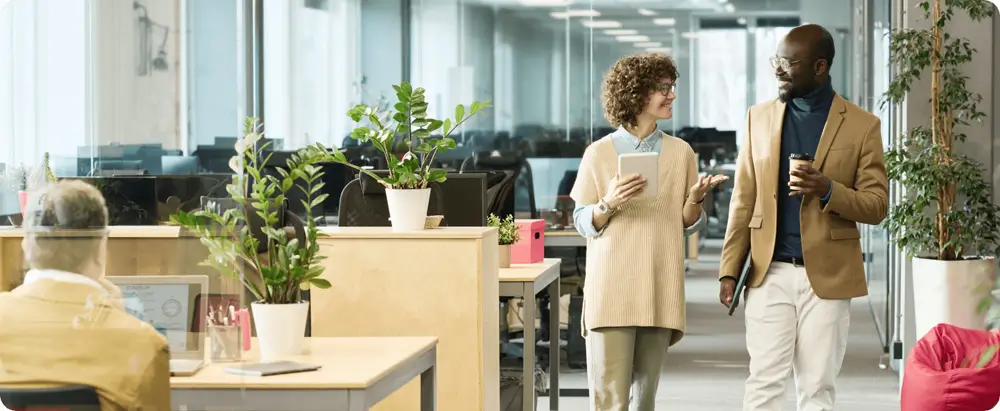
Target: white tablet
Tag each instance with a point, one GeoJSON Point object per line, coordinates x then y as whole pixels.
{"type": "Point", "coordinates": [644, 164]}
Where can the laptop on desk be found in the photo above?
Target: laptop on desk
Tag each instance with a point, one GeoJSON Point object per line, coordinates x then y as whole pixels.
{"type": "Point", "coordinates": [169, 304]}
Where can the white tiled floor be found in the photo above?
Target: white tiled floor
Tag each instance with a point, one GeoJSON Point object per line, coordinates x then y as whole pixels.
{"type": "Point", "coordinates": [706, 370]}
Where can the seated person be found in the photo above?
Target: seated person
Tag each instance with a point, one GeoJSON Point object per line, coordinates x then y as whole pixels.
{"type": "Point", "coordinates": [65, 324]}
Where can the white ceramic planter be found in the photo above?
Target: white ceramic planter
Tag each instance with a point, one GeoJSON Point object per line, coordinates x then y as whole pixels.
{"type": "Point", "coordinates": [281, 329]}
{"type": "Point", "coordinates": [950, 292]}
{"type": "Point", "coordinates": [408, 208]}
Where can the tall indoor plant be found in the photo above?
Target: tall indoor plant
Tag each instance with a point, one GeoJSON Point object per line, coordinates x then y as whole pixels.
{"type": "Point", "coordinates": [276, 275]}
{"type": "Point", "coordinates": [948, 223]}
{"type": "Point", "coordinates": [407, 190]}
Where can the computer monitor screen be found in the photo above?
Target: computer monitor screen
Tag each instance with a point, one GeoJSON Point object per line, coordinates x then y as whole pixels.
{"type": "Point", "coordinates": [169, 308]}
{"type": "Point", "coordinates": [131, 200]}
{"type": "Point", "coordinates": [465, 199]}
{"type": "Point", "coordinates": [184, 192]}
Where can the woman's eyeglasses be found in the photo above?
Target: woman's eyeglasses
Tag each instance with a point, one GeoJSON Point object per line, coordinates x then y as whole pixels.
{"type": "Point", "coordinates": [664, 88]}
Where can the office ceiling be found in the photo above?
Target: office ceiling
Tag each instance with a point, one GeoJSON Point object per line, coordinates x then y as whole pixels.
{"type": "Point", "coordinates": [659, 25]}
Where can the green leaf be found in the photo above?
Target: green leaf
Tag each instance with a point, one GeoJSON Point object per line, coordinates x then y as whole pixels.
{"type": "Point", "coordinates": [987, 356]}
{"type": "Point", "coordinates": [319, 283]}
{"type": "Point", "coordinates": [459, 112]}
{"type": "Point", "coordinates": [434, 125]}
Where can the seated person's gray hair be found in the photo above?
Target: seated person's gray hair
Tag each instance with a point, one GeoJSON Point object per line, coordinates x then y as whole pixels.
{"type": "Point", "coordinates": [64, 226]}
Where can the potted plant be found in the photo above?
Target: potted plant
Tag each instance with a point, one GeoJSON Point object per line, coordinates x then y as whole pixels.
{"type": "Point", "coordinates": [407, 191]}
{"type": "Point", "coordinates": [508, 235]}
{"type": "Point", "coordinates": [948, 224]}
{"type": "Point", "coordinates": [276, 275]}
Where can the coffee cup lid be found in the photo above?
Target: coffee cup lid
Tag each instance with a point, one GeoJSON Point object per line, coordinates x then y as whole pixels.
{"type": "Point", "coordinates": [805, 157]}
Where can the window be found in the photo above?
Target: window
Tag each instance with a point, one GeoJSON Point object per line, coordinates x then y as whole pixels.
{"type": "Point", "coordinates": [721, 96]}
{"type": "Point", "coordinates": [766, 41]}
{"type": "Point", "coordinates": [43, 90]}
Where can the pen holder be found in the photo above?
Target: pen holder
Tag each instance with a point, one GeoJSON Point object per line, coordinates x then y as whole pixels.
{"type": "Point", "coordinates": [225, 342]}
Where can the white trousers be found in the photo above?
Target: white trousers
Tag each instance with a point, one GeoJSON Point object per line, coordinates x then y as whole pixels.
{"type": "Point", "coordinates": [623, 367]}
{"type": "Point", "coordinates": [790, 329]}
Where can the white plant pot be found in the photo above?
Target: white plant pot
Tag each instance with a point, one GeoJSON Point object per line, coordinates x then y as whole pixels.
{"type": "Point", "coordinates": [408, 208]}
{"type": "Point", "coordinates": [281, 329]}
{"type": "Point", "coordinates": [950, 292]}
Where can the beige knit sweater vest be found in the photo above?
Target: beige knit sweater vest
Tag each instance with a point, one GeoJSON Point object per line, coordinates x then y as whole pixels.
{"type": "Point", "coordinates": [635, 268]}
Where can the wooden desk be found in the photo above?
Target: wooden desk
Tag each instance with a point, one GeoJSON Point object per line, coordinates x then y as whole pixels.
{"type": "Point", "coordinates": [439, 282]}
{"type": "Point", "coordinates": [526, 281]}
{"type": "Point", "coordinates": [356, 374]}
{"type": "Point", "coordinates": [132, 250]}
{"type": "Point", "coordinates": [564, 238]}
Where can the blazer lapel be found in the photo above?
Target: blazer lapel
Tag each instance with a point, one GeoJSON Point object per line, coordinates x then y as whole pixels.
{"type": "Point", "coordinates": [777, 120]}
{"type": "Point", "coordinates": [833, 121]}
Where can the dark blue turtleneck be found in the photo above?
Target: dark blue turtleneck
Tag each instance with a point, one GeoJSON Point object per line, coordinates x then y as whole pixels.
{"type": "Point", "coordinates": [801, 129]}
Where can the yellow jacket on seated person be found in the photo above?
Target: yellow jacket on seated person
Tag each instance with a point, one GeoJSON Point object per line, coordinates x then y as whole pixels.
{"type": "Point", "coordinates": [60, 328]}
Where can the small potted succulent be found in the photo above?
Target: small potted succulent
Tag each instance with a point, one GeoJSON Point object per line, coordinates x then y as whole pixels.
{"type": "Point", "coordinates": [508, 236]}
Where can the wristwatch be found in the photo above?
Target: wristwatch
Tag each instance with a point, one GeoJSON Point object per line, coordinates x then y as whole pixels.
{"type": "Point", "coordinates": [604, 207]}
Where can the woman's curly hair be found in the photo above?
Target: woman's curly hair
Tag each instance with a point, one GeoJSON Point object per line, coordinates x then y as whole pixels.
{"type": "Point", "coordinates": [627, 85]}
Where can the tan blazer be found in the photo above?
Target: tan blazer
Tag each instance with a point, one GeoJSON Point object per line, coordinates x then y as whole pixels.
{"type": "Point", "coordinates": [55, 333]}
{"type": "Point", "coordinates": [850, 153]}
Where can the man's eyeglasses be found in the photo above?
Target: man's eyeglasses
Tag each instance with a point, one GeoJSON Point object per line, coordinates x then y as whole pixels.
{"type": "Point", "coordinates": [664, 88]}
{"type": "Point", "coordinates": [784, 64]}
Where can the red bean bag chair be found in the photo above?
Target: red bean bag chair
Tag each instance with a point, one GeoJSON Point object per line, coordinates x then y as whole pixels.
{"type": "Point", "coordinates": [941, 373]}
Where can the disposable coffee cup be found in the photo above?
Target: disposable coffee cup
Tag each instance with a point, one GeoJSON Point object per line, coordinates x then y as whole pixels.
{"type": "Point", "coordinates": [794, 161]}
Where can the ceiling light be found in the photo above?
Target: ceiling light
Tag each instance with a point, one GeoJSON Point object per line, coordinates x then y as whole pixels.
{"type": "Point", "coordinates": [545, 3]}
{"type": "Point", "coordinates": [669, 21]}
{"type": "Point", "coordinates": [647, 12]}
{"type": "Point", "coordinates": [632, 39]}
{"type": "Point", "coordinates": [621, 32]}
{"type": "Point", "coordinates": [689, 35]}
{"type": "Point", "coordinates": [729, 7]}
{"type": "Point", "coordinates": [741, 21]}
{"type": "Point", "coordinates": [602, 24]}
{"type": "Point", "coordinates": [665, 50]}
{"type": "Point", "coordinates": [562, 15]}
{"type": "Point", "coordinates": [648, 44]}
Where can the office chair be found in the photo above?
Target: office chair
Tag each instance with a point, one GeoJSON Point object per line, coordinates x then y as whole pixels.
{"type": "Point", "coordinates": [286, 219]}
{"type": "Point", "coordinates": [501, 161]}
{"type": "Point", "coordinates": [363, 203]}
{"type": "Point", "coordinates": [68, 398]}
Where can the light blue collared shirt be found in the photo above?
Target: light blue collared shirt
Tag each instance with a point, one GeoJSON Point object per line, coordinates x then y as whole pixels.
{"type": "Point", "coordinates": [625, 143]}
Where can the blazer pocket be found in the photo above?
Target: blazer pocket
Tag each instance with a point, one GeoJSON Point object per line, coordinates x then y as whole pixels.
{"type": "Point", "coordinates": [849, 233]}
{"type": "Point", "coordinates": [756, 222]}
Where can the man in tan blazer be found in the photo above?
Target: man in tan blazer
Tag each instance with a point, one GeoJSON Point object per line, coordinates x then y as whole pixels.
{"type": "Point", "coordinates": [65, 324]}
{"type": "Point", "coordinates": [800, 224]}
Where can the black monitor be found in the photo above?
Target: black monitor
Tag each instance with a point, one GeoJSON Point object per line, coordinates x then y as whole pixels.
{"type": "Point", "coordinates": [465, 200]}
{"type": "Point", "coordinates": [130, 200]}
{"type": "Point", "coordinates": [184, 192]}
{"type": "Point", "coordinates": [213, 159]}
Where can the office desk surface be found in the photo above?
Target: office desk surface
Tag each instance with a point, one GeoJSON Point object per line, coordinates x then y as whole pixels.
{"type": "Point", "coordinates": [386, 232]}
{"type": "Point", "coordinates": [544, 272]}
{"type": "Point", "coordinates": [348, 363]}
{"type": "Point", "coordinates": [118, 231]}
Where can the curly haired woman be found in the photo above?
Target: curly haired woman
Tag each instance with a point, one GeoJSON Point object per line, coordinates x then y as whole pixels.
{"type": "Point", "coordinates": [634, 293]}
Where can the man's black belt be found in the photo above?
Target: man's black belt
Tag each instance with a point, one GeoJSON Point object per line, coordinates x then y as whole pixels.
{"type": "Point", "coordinates": [796, 261]}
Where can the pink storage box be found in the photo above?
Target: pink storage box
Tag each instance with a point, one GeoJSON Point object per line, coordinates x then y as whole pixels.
{"type": "Point", "coordinates": [531, 248]}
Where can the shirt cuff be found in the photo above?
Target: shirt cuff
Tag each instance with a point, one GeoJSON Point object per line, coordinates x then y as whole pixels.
{"type": "Point", "coordinates": [583, 220]}
{"type": "Point", "coordinates": [826, 198]}
{"type": "Point", "coordinates": [697, 226]}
